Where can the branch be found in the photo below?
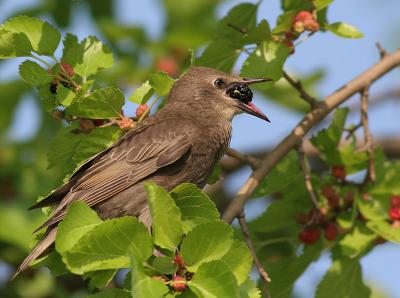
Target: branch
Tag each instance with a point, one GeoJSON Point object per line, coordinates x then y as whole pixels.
{"type": "Point", "coordinates": [299, 87]}
{"type": "Point", "coordinates": [251, 160]}
{"type": "Point", "coordinates": [386, 64]}
{"type": "Point", "coordinates": [367, 135]}
{"type": "Point", "coordinates": [382, 51]}
{"type": "Point", "coordinates": [307, 175]}
{"type": "Point", "coordinates": [263, 274]}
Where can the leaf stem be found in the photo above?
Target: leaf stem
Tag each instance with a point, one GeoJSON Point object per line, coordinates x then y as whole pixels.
{"type": "Point", "coordinates": [49, 66]}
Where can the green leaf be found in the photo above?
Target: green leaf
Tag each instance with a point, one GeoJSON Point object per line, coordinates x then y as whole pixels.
{"type": "Point", "coordinates": [166, 216]}
{"type": "Point", "coordinates": [79, 220]}
{"type": "Point", "coordinates": [14, 45]}
{"type": "Point", "coordinates": [374, 208]}
{"type": "Point", "coordinates": [215, 175]}
{"type": "Point", "coordinates": [72, 50]}
{"type": "Point", "coordinates": [109, 245]}
{"type": "Point", "coordinates": [214, 279]}
{"type": "Point", "coordinates": [328, 139]}
{"type": "Point", "coordinates": [43, 37]}
{"type": "Point", "coordinates": [206, 242]}
{"type": "Point", "coordinates": [354, 243]}
{"type": "Point", "coordinates": [285, 21]}
{"type": "Point", "coordinates": [259, 34]}
{"type": "Point", "coordinates": [142, 94]}
{"type": "Point", "coordinates": [100, 279]}
{"type": "Point", "coordinates": [89, 57]}
{"type": "Point", "coordinates": [65, 96]}
{"type": "Point", "coordinates": [53, 262]}
{"type": "Point", "coordinates": [239, 260]}
{"type": "Point", "coordinates": [389, 180]}
{"type": "Point", "coordinates": [161, 82]}
{"type": "Point", "coordinates": [143, 285]}
{"type": "Point", "coordinates": [249, 290]}
{"type": "Point", "coordinates": [284, 174]}
{"type": "Point", "coordinates": [321, 4]}
{"type": "Point", "coordinates": [344, 30]}
{"type": "Point", "coordinates": [196, 207]}
{"type": "Point", "coordinates": [215, 58]}
{"type": "Point", "coordinates": [34, 74]}
{"type": "Point", "coordinates": [266, 61]}
{"type": "Point", "coordinates": [343, 279]}
{"type": "Point", "coordinates": [385, 230]}
{"type": "Point", "coordinates": [111, 293]}
{"type": "Point", "coordinates": [103, 103]}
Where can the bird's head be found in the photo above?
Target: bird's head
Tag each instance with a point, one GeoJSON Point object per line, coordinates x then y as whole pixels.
{"type": "Point", "coordinates": [223, 94]}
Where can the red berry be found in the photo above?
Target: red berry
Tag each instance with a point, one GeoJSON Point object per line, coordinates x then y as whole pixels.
{"type": "Point", "coordinates": [303, 16]}
{"type": "Point", "coordinates": [125, 123]}
{"type": "Point", "coordinates": [68, 69]}
{"type": "Point", "coordinates": [178, 260]}
{"type": "Point", "coordinates": [305, 20]}
{"type": "Point", "coordinates": [309, 236]}
{"type": "Point", "coordinates": [290, 45]}
{"type": "Point", "coordinates": [178, 283]}
{"type": "Point", "coordinates": [395, 200]}
{"type": "Point", "coordinates": [141, 109]}
{"type": "Point", "coordinates": [98, 122]}
{"type": "Point", "coordinates": [331, 231]}
{"type": "Point", "coordinates": [167, 64]}
{"type": "Point", "coordinates": [394, 213]}
{"type": "Point", "coordinates": [339, 172]}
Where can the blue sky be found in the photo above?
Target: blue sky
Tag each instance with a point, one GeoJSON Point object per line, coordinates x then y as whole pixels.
{"type": "Point", "coordinates": [341, 58]}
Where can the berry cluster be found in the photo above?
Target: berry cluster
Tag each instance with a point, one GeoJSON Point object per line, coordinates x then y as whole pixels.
{"type": "Point", "coordinates": [241, 92]}
{"type": "Point", "coordinates": [64, 75]}
{"type": "Point", "coordinates": [394, 211]}
{"type": "Point", "coordinates": [140, 110]}
{"type": "Point", "coordinates": [305, 20]}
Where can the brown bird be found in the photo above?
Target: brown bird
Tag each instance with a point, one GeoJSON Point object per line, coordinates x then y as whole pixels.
{"type": "Point", "coordinates": [180, 143]}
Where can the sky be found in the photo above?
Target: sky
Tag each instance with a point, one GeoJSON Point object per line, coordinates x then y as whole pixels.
{"type": "Point", "coordinates": [342, 58]}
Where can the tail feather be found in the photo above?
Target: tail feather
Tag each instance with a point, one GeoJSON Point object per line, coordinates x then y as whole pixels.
{"type": "Point", "coordinates": [37, 251]}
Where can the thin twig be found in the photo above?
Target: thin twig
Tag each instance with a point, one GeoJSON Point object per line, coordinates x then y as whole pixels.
{"type": "Point", "coordinates": [251, 160]}
{"type": "Point", "coordinates": [240, 30]}
{"type": "Point", "coordinates": [382, 51]}
{"type": "Point", "coordinates": [307, 175]}
{"type": "Point", "coordinates": [299, 87]}
{"type": "Point", "coordinates": [367, 135]}
{"type": "Point", "coordinates": [263, 274]}
{"type": "Point", "coordinates": [389, 62]}
{"type": "Point", "coordinates": [147, 111]}
{"type": "Point", "coordinates": [352, 130]}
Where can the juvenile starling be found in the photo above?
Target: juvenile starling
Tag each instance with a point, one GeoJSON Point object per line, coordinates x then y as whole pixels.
{"type": "Point", "coordinates": [180, 143]}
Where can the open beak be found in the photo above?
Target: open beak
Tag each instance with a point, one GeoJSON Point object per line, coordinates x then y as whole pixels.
{"type": "Point", "coordinates": [251, 108]}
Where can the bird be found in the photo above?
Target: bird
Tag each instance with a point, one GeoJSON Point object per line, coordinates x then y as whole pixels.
{"type": "Point", "coordinates": [180, 143]}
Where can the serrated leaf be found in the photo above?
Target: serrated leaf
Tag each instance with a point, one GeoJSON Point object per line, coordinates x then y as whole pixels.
{"type": "Point", "coordinates": [143, 285]}
{"type": "Point", "coordinates": [43, 37]}
{"type": "Point", "coordinates": [142, 94]}
{"type": "Point", "coordinates": [239, 260]}
{"type": "Point", "coordinates": [343, 279]}
{"type": "Point", "coordinates": [284, 174]}
{"type": "Point", "coordinates": [166, 217]}
{"type": "Point", "coordinates": [266, 61]}
{"type": "Point", "coordinates": [354, 243]}
{"type": "Point", "coordinates": [53, 262]}
{"type": "Point", "coordinates": [79, 220]}
{"type": "Point", "coordinates": [261, 33]}
{"type": "Point", "coordinates": [65, 96]}
{"type": "Point", "coordinates": [206, 242]}
{"type": "Point", "coordinates": [103, 103]}
{"type": "Point", "coordinates": [196, 207]}
{"type": "Point", "coordinates": [214, 280]}
{"type": "Point", "coordinates": [109, 246]}
{"type": "Point", "coordinates": [91, 57]}
{"type": "Point", "coordinates": [14, 45]}
{"type": "Point", "coordinates": [344, 30]}
{"type": "Point", "coordinates": [321, 4]}
{"type": "Point", "coordinates": [285, 21]}
{"type": "Point", "coordinates": [374, 208]}
{"type": "Point", "coordinates": [72, 50]}
{"type": "Point", "coordinates": [214, 57]}
{"type": "Point", "coordinates": [99, 279]}
{"type": "Point", "coordinates": [111, 293]}
{"type": "Point", "coordinates": [385, 230]}
{"type": "Point", "coordinates": [161, 82]}
{"type": "Point", "coordinates": [388, 182]}
{"type": "Point", "coordinates": [34, 74]}
{"type": "Point", "coordinates": [249, 290]}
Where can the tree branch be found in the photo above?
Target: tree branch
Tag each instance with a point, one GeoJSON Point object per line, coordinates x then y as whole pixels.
{"type": "Point", "coordinates": [299, 87]}
{"type": "Point", "coordinates": [386, 64]}
{"type": "Point", "coordinates": [307, 175]}
{"type": "Point", "coordinates": [263, 274]}
{"type": "Point", "coordinates": [251, 160]}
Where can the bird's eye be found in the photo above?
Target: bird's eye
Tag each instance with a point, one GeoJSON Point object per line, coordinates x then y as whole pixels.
{"type": "Point", "coordinates": [219, 83]}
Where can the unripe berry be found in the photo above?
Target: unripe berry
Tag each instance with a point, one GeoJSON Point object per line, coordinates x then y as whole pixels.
{"type": "Point", "coordinates": [331, 231]}
{"type": "Point", "coordinates": [178, 260]}
{"type": "Point", "coordinates": [309, 236]}
{"type": "Point", "coordinates": [178, 283]}
{"type": "Point", "coordinates": [339, 172]}
{"type": "Point", "coordinates": [299, 27]}
{"type": "Point", "coordinates": [394, 213]}
{"type": "Point", "coordinates": [125, 123]}
{"type": "Point", "coordinates": [141, 109]}
{"type": "Point", "coordinates": [303, 16]}
{"type": "Point", "coordinates": [68, 69]}
{"type": "Point", "coordinates": [395, 200]}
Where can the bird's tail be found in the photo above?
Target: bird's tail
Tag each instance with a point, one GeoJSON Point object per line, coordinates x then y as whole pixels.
{"type": "Point", "coordinates": [37, 251]}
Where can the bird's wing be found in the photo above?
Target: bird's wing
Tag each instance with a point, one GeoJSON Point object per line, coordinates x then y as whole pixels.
{"type": "Point", "coordinates": [132, 160]}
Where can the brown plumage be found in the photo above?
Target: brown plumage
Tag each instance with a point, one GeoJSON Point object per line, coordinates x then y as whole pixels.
{"type": "Point", "coordinates": [180, 143]}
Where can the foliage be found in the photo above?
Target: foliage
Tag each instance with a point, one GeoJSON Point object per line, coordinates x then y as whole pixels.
{"type": "Point", "coordinates": [84, 91]}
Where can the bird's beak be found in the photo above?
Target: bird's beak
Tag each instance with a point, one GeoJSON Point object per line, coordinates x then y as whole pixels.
{"type": "Point", "coordinates": [251, 108]}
